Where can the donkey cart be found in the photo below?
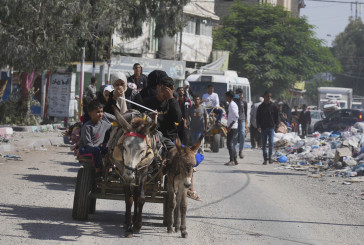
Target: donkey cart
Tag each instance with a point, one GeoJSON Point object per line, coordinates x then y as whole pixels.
{"type": "Point", "coordinates": [88, 190]}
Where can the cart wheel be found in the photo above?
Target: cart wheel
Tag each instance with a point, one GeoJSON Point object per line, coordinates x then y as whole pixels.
{"type": "Point", "coordinates": [81, 201]}
{"type": "Point", "coordinates": [165, 203]}
{"type": "Point", "coordinates": [92, 209]}
{"type": "Point", "coordinates": [222, 142]}
{"type": "Point", "coordinates": [215, 144]}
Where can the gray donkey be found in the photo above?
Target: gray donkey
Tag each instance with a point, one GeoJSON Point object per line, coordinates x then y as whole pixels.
{"type": "Point", "coordinates": [180, 164]}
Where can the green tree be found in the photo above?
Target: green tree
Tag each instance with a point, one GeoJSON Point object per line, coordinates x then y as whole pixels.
{"type": "Point", "coordinates": [348, 48]}
{"type": "Point", "coordinates": [272, 48]}
{"type": "Point", "coordinates": [38, 35]}
{"type": "Point", "coordinates": [43, 34]}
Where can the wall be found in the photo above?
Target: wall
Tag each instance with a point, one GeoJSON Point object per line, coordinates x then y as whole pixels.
{"type": "Point", "coordinates": [143, 46]}
{"type": "Point", "coordinates": [195, 48]}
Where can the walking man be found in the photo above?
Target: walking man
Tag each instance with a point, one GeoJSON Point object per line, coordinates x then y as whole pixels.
{"type": "Point", "coordinates": [305, 121]}
{"type": "Point", "coordinates": [243, 108]}
{"type": "Point", "coordinates": [232, 122]}
{"type": "Point", "coordinates": [267, 122]}
{"type": "Point", "coordinates": [255, 136]}
{"type": "Point", "coordinates": [184, 103]}
{"type": "Point", "coordinates": [197, 119]}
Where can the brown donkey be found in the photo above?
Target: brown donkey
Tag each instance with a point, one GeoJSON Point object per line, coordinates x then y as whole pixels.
{"type": "Point", "coordinates": [180, 163]}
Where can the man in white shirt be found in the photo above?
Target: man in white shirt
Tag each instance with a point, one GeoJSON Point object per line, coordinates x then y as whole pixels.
{"type": "Point", "coordinates": [211, 101]}
{"type": "Point", "coordinates": [232, 122]}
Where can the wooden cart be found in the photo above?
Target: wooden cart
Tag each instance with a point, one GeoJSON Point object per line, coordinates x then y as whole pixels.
{"type": "Point", "coordinates": [88, 190]}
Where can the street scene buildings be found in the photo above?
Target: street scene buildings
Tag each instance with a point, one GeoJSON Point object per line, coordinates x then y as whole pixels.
{"type": "Point", "coordinates": [215, 121]}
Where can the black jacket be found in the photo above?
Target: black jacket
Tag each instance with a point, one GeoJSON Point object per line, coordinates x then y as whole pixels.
{"type": "Point", "coordinates": [267, 116]}
{"type": "Point", "coordinates": [243, 108]}
{"type": "Point", "coordinates": [141, 83]}
{"type": "Point", "coordinates": [169, 115]}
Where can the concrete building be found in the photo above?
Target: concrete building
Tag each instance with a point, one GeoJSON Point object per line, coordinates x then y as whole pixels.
{"type": "Point", "coordinates": [193, 45]}
{"type": "Point", "coordinates": [222, 7]}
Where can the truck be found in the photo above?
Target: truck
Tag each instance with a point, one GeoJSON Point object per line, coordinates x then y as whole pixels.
{"type": "Point", "coordinates": [357, 102]}
{"type": "Point", "coordinates": [334, 98]}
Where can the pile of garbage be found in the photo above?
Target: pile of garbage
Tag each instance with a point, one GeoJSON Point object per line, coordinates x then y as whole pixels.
{"type": "Point", "coordinates": [343, 151]}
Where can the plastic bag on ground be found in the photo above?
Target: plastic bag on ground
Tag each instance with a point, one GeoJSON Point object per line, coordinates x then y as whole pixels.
{"type": "Point", "coordinates": [325, 134]}
{"type": "Point", "coordinates": [311, 142]}
{"type": "Point", "coordinates": [359, 170]}
{"type": "Point", "coordinates": [282, 159]}
{"type": "Point", "coordinates": [360, 156]}
{"type": "Point", "coordinates": [346, 135]}
{"type": "Point", "coordinates": [300, 144]}
{"type": "Point", "coordinates": [359, 126]}
{"type": "Point", "coordinates": [316, 134]}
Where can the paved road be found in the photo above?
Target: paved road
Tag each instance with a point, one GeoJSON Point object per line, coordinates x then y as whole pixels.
{"type": "Point", "coordinates": [244, 204]}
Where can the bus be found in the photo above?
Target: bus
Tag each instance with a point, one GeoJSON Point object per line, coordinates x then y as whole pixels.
{"type": "Point", "coordinates": [222, 81]}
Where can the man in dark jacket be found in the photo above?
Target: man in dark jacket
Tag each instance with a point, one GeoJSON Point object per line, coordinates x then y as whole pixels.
{"type": "Point", "coordinates": [140, 80]}
{"type": "Point", "coordinates": [169, 112]}
{"type": "Point", "coordinates": [305, 121]}
{"type": "Point", "coordinates": [243, 108]}
{"type": "Point", "coordinates": [267, 122]}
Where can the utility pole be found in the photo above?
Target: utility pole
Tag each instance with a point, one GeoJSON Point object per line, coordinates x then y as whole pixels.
{"type": "Point", "coordinates": [81, 83]}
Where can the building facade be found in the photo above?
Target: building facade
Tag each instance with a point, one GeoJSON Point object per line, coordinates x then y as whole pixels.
{"type": "Point", "coordinates": [193, 44]}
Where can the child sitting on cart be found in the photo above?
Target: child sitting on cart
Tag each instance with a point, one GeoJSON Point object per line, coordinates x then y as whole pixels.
{"type": "Point", "coordinates": [94, 136]}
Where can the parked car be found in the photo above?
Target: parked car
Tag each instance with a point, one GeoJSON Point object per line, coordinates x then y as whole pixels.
{"type": "Point", "coordinates": [316, 115]}
{"type": "Point", "coordinates": [339, 120]}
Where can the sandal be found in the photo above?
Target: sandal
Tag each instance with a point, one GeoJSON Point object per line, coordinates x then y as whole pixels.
{"type": "Point", "coordinates": [193, 195]}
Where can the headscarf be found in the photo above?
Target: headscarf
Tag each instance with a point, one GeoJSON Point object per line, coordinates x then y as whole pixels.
{"type": "Point", "coordinates": [108, 88]}
{"type": "Point", "coordinates": [120, 103]}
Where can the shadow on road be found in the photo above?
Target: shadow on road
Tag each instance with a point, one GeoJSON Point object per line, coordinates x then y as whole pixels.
{"type": "Point", "coordinates": [48, 223]}
{"type": "Point", "coordinates": [51, 182]}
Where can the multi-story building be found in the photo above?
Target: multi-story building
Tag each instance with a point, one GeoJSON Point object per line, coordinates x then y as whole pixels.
{"type": "Point", "coordinates": [192, 46]}
{"type": "Point", "coordinates": [222, 7]}
{"type": "Point", "coordinates": [194, 43]}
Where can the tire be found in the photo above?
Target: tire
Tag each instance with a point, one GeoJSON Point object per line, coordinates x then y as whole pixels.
{"type": "Point", "coordinates": [215, 144]}
{"type": "Point", "coordinates": [165, 203]}
{"type": "Point", "coordinates": [92, 209]}
{"type": "Point", "coordinates": [222, 142]}
{"type": "Point", "coordinates": [82, 200]}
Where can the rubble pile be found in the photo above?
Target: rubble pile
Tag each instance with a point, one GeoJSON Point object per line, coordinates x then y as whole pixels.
{"type": "Point", "coordinates": [338, 153]}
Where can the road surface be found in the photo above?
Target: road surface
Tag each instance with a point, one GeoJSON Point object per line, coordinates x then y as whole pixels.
{"type": "Point", "coordinates": [244, 204]}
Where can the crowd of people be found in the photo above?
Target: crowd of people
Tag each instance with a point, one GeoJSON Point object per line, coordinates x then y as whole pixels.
{"type": "Point", "coordinates": [267, 118]}
{"type": "Point", "coordinates": [180, 113]}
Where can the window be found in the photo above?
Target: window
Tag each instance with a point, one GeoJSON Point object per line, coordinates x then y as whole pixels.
{"type": "Point", "coordinates": [190, 26]}
{"type": "Point", "coordinates": [198, 27]}
{"type": "Point", "coordinates": [206, 27]}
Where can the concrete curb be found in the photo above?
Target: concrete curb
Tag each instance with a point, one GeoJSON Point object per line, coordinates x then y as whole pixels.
{"type": "Point", "coordinates": [6, 131]}
{"type": "Point", "coordinates": [33, 143]}
{"type": "Point", "coordinates": [40, 128]}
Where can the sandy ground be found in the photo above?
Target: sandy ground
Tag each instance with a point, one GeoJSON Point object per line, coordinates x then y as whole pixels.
{"type": "Point", "coordinates": [244, 204]}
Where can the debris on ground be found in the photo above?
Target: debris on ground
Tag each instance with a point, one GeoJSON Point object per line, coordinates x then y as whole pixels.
{"type": "Point", "coordinates": [12, 156]}
{"type": "Point", "coordinates": [329, 154]}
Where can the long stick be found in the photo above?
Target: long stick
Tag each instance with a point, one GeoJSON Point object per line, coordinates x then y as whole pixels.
{"type": "Point", "coordinates": [138, 105]}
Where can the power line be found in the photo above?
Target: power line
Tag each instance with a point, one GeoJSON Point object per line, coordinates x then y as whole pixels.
{"type": "Point", "coordinates": [356, 4]}
{"type": "Point", "coordinates": [333, 1]}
